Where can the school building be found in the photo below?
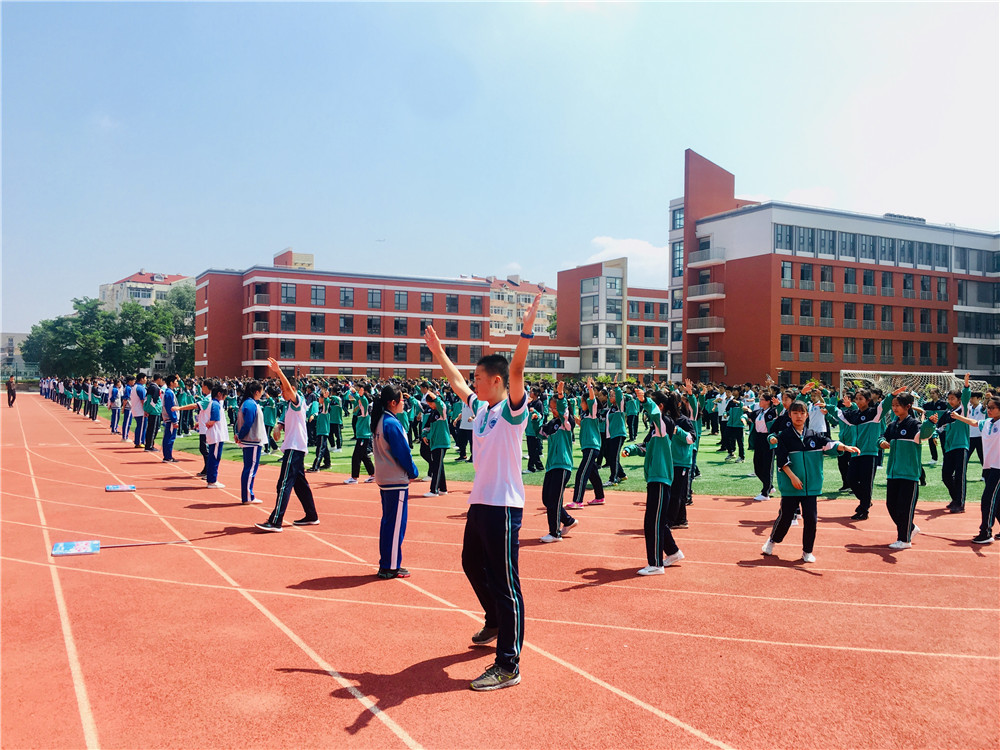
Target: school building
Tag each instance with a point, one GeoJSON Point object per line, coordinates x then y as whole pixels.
{"type": "Point", "coordinates": [799, 292]}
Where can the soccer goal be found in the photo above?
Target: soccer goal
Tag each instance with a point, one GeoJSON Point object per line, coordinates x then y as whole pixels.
{"type": "Point", "coordinates": [920, 382]}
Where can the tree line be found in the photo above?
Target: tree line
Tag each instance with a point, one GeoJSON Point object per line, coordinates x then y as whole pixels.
{"type": "Point", "coordinates": [92, 341]}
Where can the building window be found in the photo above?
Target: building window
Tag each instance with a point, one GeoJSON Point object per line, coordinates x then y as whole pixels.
{"type": "Point", "coordinates": [848, 246]}
{"type": "Point", "coordinates": [399, 326]}
{"type": "Point", "coordinates": [676, 331]}
{"type": "Point", "coordinates": [805, 344]}
{"type": "Point", "coordinates": [425, 354]}
{"type": "Point", "coordinates": [868, 347]}
{"type": "Point", "coordinates": [426, 302]}
{"type": "Point", "coordinates": [942, 289]}
{"type": "Point", "coordinates": [399, 352]}
{"type": "Point", "coordinates": [161, 295]}
{"type": "Point", "coordinates": [614, 308]}
{"type": "Point", "coordinates": [825, 345]}
{"type": "Point", "coordinates": [424, 323]}
{"type": "Point", "coordinates": [374, 326]}
{"type": "Point", "coordinates": [476, 305]}
{"type": "Point", "coordinates": [288, 294]}
{"type": "Point", "coordinates": [786, 270]}
{"type": "Point", "coordinates": [850, 277]}
{"type": "Point", "coordinates": [677, 218]}
{"type": "Point", "coordinates": [826, 309]}
{"type": "Point", "coordinates": [451, 303]}
{"type": "Point", "coordinates": [317, 295]}
{"type": "Point", "coordinates": [786, 306]}
{"type": "Point", "coordinates": [806, 272]}
{"type": "Point", "coordinates": [886, 280]}
{"type": "Point", "coordinates": [677, 259]}
{"type": "Point", "coordinates": [590, 307]}
{"type": "Point", "coordinates": [399, 299]}
{"type": "Point", "coordinates": [589, 286]}
{"type": "Point", "coordinates": [317, 323]}
{"type": "Point", "coordinates": [850, 311]}
{"type": "Point", "coordinates": [287, 349]}
{"type": "Point", "coordinates": [782, 237]}
{"type": "Point", "coordinates": [614, 285]}
{"type": "Point", "coordinates": [347, 324]}
{"type": "Point", "coordinates": [850, 347]}
{"type": "Point", "coordinates": [786, 343]}
{"type": "Point", "coordinates": [451, 352]}
{"type": "Point", "coordinates": [288, 321]}
{"type": "Point", "coordinates": [317, 350]}
{"type": "Point", "coordinates": [374, 299]}
{"type": "Point", "coordinates": [346, 297]}
{"type": "Point", "coordinates": [475, 330]}
{"type": "Point", "coordinates": [374, 351]}
{"type": "Point", "coordinates": [345, 351]}
{"type": "Point", "coordinates": [451, 329]}
{"type": "Point", "coordinates": [806, 308]}
{"type": "Point", "coordinates": [475, 353]}
{"type": "Point", "coordinates": [676, 299]}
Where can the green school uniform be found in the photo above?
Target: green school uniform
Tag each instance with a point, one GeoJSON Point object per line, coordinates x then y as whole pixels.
{"type": "Point", "coordinates": [904, 456]}
{"type": "Point", "coordinates": [560, 452]}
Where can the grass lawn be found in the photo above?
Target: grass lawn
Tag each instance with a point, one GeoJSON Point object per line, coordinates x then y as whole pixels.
{"type": "Point", "coordinates": [718, 478]}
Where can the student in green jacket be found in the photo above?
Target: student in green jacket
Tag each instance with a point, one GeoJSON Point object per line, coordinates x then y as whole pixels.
{"type": "Point", "coordinates": [558, 467]}
{"type": "Point", "coordinates": [590, 445]}
{"type": "Point", "coordinates": [902, 438]}
{"type": "Point", "coordinates": [362, 435]}
{"type": "Point", "coordinates": [799, 462]}
{"type": "Point", "coordinates": [869, 423]}
{"type": "Point", "coordinates": [615, 432]}
{"type": "Point", "coordinates": [437, 438]}
{"type": "Point", "coordinates": [658, 469]}
{"type": "Point", "coordinates": [336, 411]}
{"type": "Point", "coordinates": [322, 417]}
{"type": "Point", "coordinates": [955, 446]}
{"type": "Point", "coordinates": [152, 408]}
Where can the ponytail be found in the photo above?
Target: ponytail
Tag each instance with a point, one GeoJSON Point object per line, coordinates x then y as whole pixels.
{"type": "Point", "coordinates": [390, 393]}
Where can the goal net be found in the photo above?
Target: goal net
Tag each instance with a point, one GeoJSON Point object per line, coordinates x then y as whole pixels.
{"type": "Point", "coordinates": [919, 382]}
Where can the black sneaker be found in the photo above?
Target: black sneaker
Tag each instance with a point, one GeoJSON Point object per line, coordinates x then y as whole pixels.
{"type": "Point", "coordinates": [311, 470]}
{"type": "Point", "coordinates": [268, 527]}
{"type": "Point", "coordinates": [956, 510]}
{"type": "Point", "coordinates": [484, 636]}
{"type": "Point", "coordinates": [859, 517]}
{"type": "Point", "coordinates": [305, 522]}
{"type": "Point", "coordinates": [997, 537]}
{"type": "Point", "coordinates": [402, 573]}
{"type": "Point", "coordinates": [495, 678]}
{"type": "Point", "coordinates": [845, 488]}
{"type": "Point", "coordinates": [983, 539]}
{"type": "Point", "coordinates": [202, 474]}
{"type": "Point", "coordinates": [387, 574]}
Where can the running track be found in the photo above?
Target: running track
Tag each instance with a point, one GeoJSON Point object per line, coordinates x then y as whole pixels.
{"type": "Point", "coordinates": [242, 639]}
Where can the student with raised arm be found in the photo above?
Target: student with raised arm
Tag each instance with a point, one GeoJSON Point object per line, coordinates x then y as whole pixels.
{"type": "Point", "coordinates": [990, 501]}
{"type": "Point", "coordinates": [293, 447]}
{"type": "Point", "coordinates": [496, 502]}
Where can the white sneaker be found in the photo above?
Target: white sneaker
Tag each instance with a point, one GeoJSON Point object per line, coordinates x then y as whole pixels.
{"type": "Point", "coordinates": [916, 529]}
{"type": "Point", "coordinates": [770, 492]}
{"type": "Point", "coordinates": [932, 464]}
{"type": "Point", "coordinates": [650, 570]}
{"type": "Point", "coordinates": [760, 498]}
{"type": "Point", "coordinates": [350, 480]}
{"type": "Point", "coordinates": [548, 539]}
{"type": "Point", "coordinates": [899, 545]}
{"type": "Point", "coordinates": [795, 520]}
{"type": "Point", "coordinates": [215, 486]}
{"type": "Point", "coordinates": [369, 480]}
{"type": "Point", "coordinates": [338, 450]}
{"type": "Point", "coordinates": [426, 479]}
{"type": "Point", "coordinates": [442, 492]}
{"type": "Point", "coordinates": [671, 559]}
{"type": "Point", "coordinates": [430, 494]}
{"type": "Point", "coordinates": [256, 501]}
{"type": "Point", "coordinates": [808, 557]}
{"type": "Point", "coordinates": [525, 471]}
{"type": "Point", "coordinates": [566, 527]}
{"type": "Point", "coordinates": [768, 548]}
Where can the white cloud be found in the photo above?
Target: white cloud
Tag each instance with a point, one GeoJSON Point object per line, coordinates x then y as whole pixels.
{"type": "Point", "coordinates": [648, 264]}
{"type": "Point", "coordinates": [513, 267]}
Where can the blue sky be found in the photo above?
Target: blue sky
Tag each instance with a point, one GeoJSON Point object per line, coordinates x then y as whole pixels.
{"type": "Point", "coordinates": [448, 139]}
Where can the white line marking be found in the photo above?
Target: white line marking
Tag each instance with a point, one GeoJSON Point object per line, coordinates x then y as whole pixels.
{"type": "Point", "coordinates": [76, 670]}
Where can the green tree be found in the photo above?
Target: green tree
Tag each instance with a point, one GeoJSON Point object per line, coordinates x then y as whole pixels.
{"type": "Point", "coordinates": [551, 328]}
{"type": "Point", "coordinates": [180, 303]}
{"type": "Point", "coordinates": [135, 336]}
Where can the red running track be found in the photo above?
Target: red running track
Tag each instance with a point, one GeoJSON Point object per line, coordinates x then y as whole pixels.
{"type": "Point", "coordinates": [241, 639]}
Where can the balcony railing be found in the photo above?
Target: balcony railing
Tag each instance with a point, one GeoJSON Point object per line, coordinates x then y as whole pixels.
{"type": "Point", "coordinates": [710, 257]}
{"type": "Point", "coordinates": [805, 356]}
{"type": "Point", "coordinates": [925, 295]}
{"type": "Point", "coordinates": [887, 325]}
{"type": "Point", "coordinates": [711, 321]}
{"type": "Point", "coordinates": [260, 354]}
{"type": "Point", "coordinates": [942, 329]}
{"type": "Point", "coordinates": [807, 320]}
{"type": "Point", "coordinates": [850, 357]}
{"type": "Point", "coordinates": [868, 325]}
{"type": "Point", "coordinates": [909, 293]}
{"type": "Point", "coordinates": [807, 284]}
{"type": "Point", "coordinates": [868, 290]}
{"type": "Point", "coordinates": [705, 357]}
{"type": "Point", "coordinates": [909, 360]}
{"type": "Point", "coordinates": [850, 288]}
{"type": "Point", "coordinates": [787, 284]}
{"type": "Point", "coordinates": [850, 322]}
{"type": "Point", "coordinates": [887, 359]}
{"type": "Point", "coordinates": [925, 328]}
{"type": "Point", "coordinates": [867, 359]}
{"type": "Point", "coordinates": [826, 322]}
{"type": "Point", "coordinates": [909, 327]}
{"type": "Point", "coordinates": [787, 357]}
{"type": "Point", "coordinates": [825, 357]}
{"type": "Point", "coordinates": [827, 286]}
{"type": "Point", "coordinates": [713, 289]}
{"type": "Point", "coordinates": [262, 299]}
{"type": "Point", "coordinates": [942, 361]}
{"type": "Point", "coordinates": [787, 320]}
{"type": "Point", "coordinates": [887, 291]}
{"type": "Point", "coordinates": [261, 326]}
{"type": "Point", "coordinates": [925, 361]}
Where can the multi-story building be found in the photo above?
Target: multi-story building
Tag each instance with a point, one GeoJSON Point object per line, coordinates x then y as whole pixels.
{"type": "Point", "coordinates": [334, 323]}
{"type": "Point", "coordinates": [800, 292]}
{"type": "Point", "coordinates": [143, 288]}
{"type": "Point", "coordinates": [508, 299]}
{"type": "Point", "coordinates": [11, 360]}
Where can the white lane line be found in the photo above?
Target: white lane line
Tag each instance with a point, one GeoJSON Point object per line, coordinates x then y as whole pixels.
{"type": "Point", "coordinates": [86, 711]}
{"type": "Point", "coordinates": [453, 608]}
{"type": "Point", "coordinates": [397, 730]}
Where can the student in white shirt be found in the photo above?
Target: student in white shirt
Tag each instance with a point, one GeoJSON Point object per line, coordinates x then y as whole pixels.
{"type": "Point", "coordinates": [496, 502]}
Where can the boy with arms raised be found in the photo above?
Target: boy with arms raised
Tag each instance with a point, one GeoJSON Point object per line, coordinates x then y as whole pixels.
{"type": "Point", "coordinates": [496, 503]}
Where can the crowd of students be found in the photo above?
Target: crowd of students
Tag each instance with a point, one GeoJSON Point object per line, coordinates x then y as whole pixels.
{"type": "Point", "coordinates": [492, 415]}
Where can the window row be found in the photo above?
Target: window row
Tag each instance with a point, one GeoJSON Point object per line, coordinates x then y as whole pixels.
{"type": "Point", "coordinates": [851, 246]}
{"type": "Point", "coordinates": [288, 322]}
{"type": "Point", "coordinates": [849, 348]}
{"type": "Point", "coordinates": [372, 351]}
{"type": "Point", "coordinates": [289, 295]}
{"type": "Point", "coordinates": [930, 287]}
{"type": "Point", "coordinates": [808, 312]}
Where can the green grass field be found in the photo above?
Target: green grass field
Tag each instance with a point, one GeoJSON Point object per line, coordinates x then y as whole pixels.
{"type": "Point", "coordinates": [718, 478]}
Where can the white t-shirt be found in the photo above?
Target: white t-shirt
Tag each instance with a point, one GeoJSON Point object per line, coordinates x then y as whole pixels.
{"type": "Point", "coordinates": [218, 432]}
{"type": "Point", "coordinates": [990, 429]}
{"type": "Point", "coordinates": [296, 437]}
{"type": "Point", "coordinates": [977, 413]}
{"type": "Point", "coordinates": [497, 434]}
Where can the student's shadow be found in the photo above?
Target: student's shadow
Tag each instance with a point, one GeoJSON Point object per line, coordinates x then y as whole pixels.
{"type": "Point", "coordinates": [771, 561]}
{"type": "Point", "coordinates": [228, 531]}
{"type": "Point", "coordinates": [428, 677]}
{"type": "Point", "coordinates": [330, 583]}
{"type": "Point", "coordinates": [758, 526]}
{"type": "Point", "coordinates": [978, 549]}
{"type": "Point", "coordinates": [932, 513]}
{"type": "Point", "coordinates": [887, 555]}
{"type": "Point", "coordinates": [599, 576]}
{"type": "Point", "coordinates": [457, 517]}
{"type": "Point", "coordinates": [631, 532]}
{"type": "Point", "coordinates": [845, 521]}
{"type": "Point", "coordinates": [209, 506]}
